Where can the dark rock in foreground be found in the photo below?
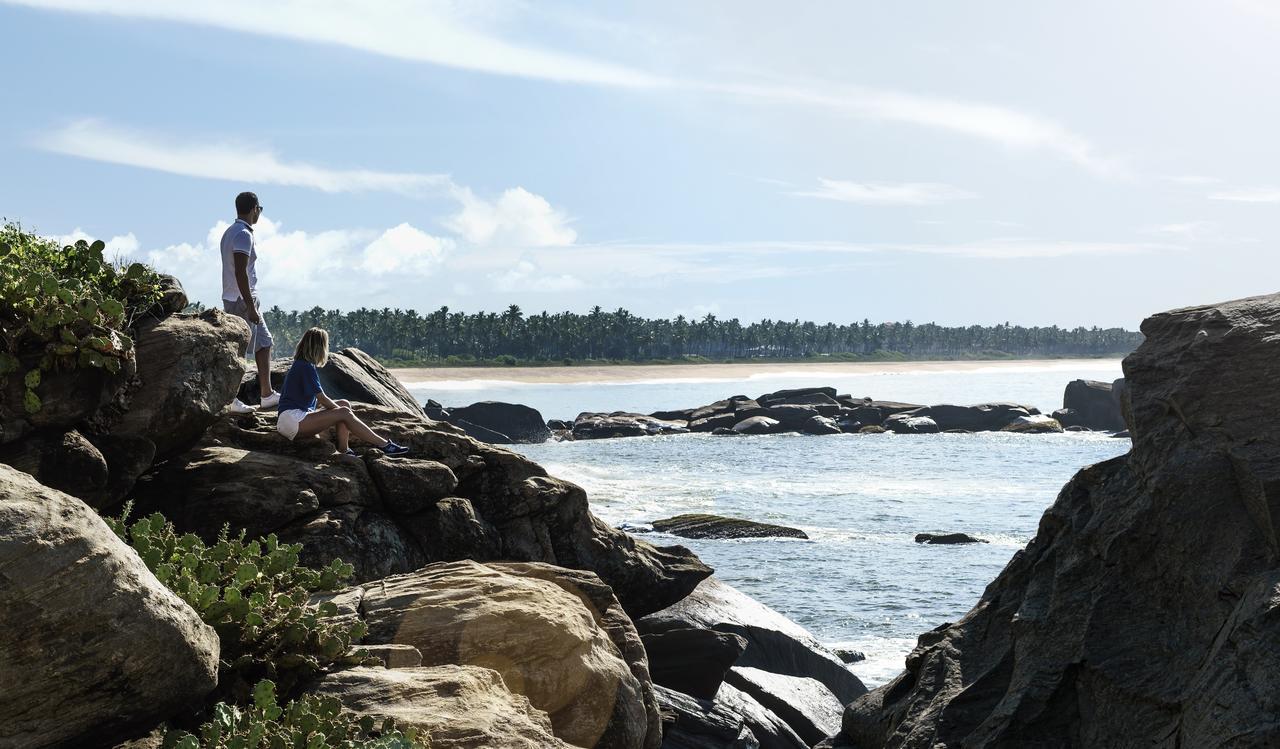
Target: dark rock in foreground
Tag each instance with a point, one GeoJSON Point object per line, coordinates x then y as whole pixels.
{"type": "Point", "coordinates": [1146, 611]}
{"type": "Point", "coordinates": [698, 525]}
{"type": "Point", "coordinates": [692, 660]}
{"type": "Point", "coordinates": [518, 423]}
{"type": "Point", "coordinates": [947, 538]}
{"type": "Point", "coordinates": [1091, 404]}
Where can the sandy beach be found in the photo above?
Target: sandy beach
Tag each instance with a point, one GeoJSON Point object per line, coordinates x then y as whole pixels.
{"type": "Point", "coordinates": [642, 372]}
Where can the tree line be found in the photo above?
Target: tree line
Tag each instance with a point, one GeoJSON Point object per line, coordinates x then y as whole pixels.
{"type": "Point", "coordinates": [405, 336]}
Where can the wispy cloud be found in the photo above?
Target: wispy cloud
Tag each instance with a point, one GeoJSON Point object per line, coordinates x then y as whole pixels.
{"type": "Point", "coordinates": [461, 36]}
{"type": "Point", "coordinates": [998, 124]}
{"type": "Point", "coordinates": [225, 159]}
{"type": "Point", "coordinates": [1248, 195]}
{"type": "Point", "coordinates": [1007, 248]}
{"type": "Point", "coordinates": [440, 33]}
{"type": "Point", "coordinates": [871, 193]}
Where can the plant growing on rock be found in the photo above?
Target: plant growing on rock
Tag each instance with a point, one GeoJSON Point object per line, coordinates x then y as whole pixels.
{"type": "Point", "coordinates": [311, 722]}
{"type": "Point", "coordinates": [65, 308]}
{"type": "Point", "coordinates": [254, 594]}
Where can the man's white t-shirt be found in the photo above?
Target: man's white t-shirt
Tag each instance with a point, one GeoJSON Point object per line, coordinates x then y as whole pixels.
{"type": "Point", "coordinates": [238, 238]}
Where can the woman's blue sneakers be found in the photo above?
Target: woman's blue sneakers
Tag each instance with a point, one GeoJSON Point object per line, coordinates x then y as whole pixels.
{"type": "Point", "coordinates": [392, 448]}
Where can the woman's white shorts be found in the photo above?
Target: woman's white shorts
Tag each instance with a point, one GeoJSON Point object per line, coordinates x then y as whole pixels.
{"type": "Point", "coordinates": [287, 421]}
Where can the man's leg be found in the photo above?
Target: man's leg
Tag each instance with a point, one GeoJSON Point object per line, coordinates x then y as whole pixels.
{"type": "Point", "coordinates": [263, 357]}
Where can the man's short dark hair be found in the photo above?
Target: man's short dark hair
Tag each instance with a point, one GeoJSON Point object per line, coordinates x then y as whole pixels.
{"type": "Point", "coordinates": [245, 202]}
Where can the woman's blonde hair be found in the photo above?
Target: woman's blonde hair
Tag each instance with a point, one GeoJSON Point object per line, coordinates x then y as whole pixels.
{"type": "Point", "coordinates": [313, 347]}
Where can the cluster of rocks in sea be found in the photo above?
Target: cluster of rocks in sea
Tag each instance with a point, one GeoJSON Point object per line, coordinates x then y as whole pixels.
{"type": "Point", "coordinates": [503, 611]}
{"type": "Point", "coordinates": [1087, 406]}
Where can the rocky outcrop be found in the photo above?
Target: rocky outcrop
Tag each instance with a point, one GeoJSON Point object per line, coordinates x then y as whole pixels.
{"type": "Point", "coordinates": [1091, 404]}
{"type": "Point", "coordinates": [458, 707]}
{"type": "Point", "coordinates": [557, 637]}
{"type": "Point", "coordinates": [804, 704]}
{"type": "Point", "coordinates": [692, 660]}
{"type": "Point", "coordinates": [1035, 424]}
{"type": "Point", "coordinates": [91, 644]}
{"type": "Point", "coordinates": [947, 538]}
{"type": "Point", "coordinates": [517, 423]}
{"type": "Point", "coordinates": [700, 525]}
{"type": "Point", "coordinates": [594, 426]}
{"type": "Point", "coordinates": [350, 374]}
{"type": "Point", "coordinates": [774, 645]}
{"type": "Point", "coordinates": [1144, 612]}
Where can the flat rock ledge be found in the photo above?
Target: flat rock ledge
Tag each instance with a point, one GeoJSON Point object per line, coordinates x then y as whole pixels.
{"type": "Point", "coordinates": [697, 525]}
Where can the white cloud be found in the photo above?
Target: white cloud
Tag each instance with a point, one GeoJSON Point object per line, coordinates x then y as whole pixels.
{"type": "Point", "coordinates": [518, 217]}
{"type": "Point", "coordinates": [441, 33]}
{"type": "Point", "coordinates": [124, 246]}
{"type": "Point", "coordinates": [225, 160]}
{"type": "Point", "coordinates": [1249, 195]}
{"type": "Point", "coordinates": [870, 193]}
{"type": "Point", "coordinates": [405, 249]}
{"type": "Point", "coordinates": [526, 276]}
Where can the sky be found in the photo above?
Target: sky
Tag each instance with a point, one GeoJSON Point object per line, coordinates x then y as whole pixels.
{"type": "Point", "coordinates": [1084, 163]}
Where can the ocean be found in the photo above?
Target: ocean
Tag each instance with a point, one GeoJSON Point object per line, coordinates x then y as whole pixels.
{"type": "Point", "coordinates": [860, 581]}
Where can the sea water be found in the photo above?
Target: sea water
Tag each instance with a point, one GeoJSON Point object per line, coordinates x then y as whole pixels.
{"type": "Point", "coordinates": [860, 581]}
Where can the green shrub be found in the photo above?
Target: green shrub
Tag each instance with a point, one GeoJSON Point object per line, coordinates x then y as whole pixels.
{"type": "Point", "coordinates": [65, 308]}
{"type": "Point", "coordinates": [311, 722]}
{"type": "Point", "coordinates": [254, 594]}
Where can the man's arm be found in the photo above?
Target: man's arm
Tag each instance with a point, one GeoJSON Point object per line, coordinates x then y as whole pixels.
{"type": "Point", "coordinates": [242, 281]}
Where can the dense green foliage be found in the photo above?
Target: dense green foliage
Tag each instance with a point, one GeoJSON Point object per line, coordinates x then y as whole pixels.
{"type": "Point", "coordinates": [455, 337]}
{"type": "Point", "coordinates": [254, 594]}
{"type": "Point", "coordinates": [310, 722]}
{"type": "Point", "coordinates": [65, 308]}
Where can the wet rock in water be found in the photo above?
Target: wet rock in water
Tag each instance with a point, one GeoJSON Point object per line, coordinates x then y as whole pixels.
{"type": "Point", "coordinates": [1144, 612]}
{"type": "Point", "coordinates": [1035, 424]}
{"type": "Point", "coordinates": [458, 707]}
{"type": "Point", "coordinates": [820, 425]}
{"type": "Point", "coordinates": [712, 423]}
{"type": "Point", "coordinates": [559, 425]}
{"type": "Point", "coordinates": [592, 426]}
{"type": "Point", "coordinates": [849, 655]}
{"type": "Point", "coordinates": [948, 538]}
{"type": "Point", "coordinates": [518, 423]}
{"type": "Point", "coordinates": [908, 423]}
{"type": "Point", "coordinates": [700, 525]}
{"type": "Point", "coordinates": [790, 396]}
{"type": "Point", "coordinates": [92, 645]}
{"type": "Point", "coordinates": [758, 425]}
{"type": "Point", "coordinates": [1093, 405]}
{"type": "Point", "coordinates": [692, 660]}
{"type": "Point", "coordinates": [984, 417]}
{"type": "Point", "coordinates": [790, 415]}
{"type": "Point", "coordinates": [872, 429]}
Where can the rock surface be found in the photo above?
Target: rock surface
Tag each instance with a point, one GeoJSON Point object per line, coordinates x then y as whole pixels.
{"type": "Point", "coordinates": [518, 423]}
{"type": "Point", "coordinates": [692, 660]}
{"type": "Point", "coordinates": [1093, 405]}
{"type": "Point", "coordinates": [947, 538]}
{"type": "Point", "coordinates": [350, 374]}
{"type": "Point", "coordinates": [1146, 610]}
{"type": "Point", "coordinates": [91, 644]}
{"type": "Point", "coordinates": [544, 641]}
{"type": "Point", "coordinates": [699, 525]}
{"type": "Point", "coordinates": [458, 707]}
{"type": "Point", "coordinates": [594, 426]}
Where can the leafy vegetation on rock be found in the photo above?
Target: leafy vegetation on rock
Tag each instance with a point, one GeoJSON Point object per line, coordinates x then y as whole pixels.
{"type": "Point", "coordinates": [65, 308]}
{"type": "Point", "coordinates": [254, 594]}
{"type": "Point", "coordinates": [311, 722]}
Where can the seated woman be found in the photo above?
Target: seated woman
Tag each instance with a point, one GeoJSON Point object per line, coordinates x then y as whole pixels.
{"type": "Point", "coordinates": [297, 415]}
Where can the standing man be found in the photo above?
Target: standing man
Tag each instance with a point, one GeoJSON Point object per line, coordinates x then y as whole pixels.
{"type": "Point", "coordinates": [239, 293]}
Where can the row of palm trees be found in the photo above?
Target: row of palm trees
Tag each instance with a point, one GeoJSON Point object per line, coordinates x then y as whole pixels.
{"type": "Point", "coordinates": [394, 334]}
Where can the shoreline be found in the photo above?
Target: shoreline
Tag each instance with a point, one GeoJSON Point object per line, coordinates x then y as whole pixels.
{"type": "Point", "coordinates": [618, 373]}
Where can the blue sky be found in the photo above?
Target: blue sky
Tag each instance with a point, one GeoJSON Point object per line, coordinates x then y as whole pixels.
{"type": "Point", "coordinates": [1074, 163]}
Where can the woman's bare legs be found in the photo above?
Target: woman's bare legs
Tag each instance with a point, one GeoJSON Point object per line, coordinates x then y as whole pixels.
{"type": "Point", "coordinates": [317, 421]}
{"type": "Point", "coordinates": [342, 431]}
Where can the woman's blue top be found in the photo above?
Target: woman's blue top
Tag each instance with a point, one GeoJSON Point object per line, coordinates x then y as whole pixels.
{"type": "Point", "coordinates": [301, 385]}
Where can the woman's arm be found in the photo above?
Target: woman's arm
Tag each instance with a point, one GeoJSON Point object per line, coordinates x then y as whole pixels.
{"type": "Point", "coordinates": [325, 402]}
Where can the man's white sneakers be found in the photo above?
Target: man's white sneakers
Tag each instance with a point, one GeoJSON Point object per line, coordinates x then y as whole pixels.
{"type": "Point", "coordinates": [239, 407]}
{"type": "Point", "coordinates": [271, 401]}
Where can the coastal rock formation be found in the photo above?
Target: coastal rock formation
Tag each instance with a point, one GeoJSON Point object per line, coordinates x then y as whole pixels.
{"type": "Point", "coordinates": [519, 424]}
{"type": "Point", "coordinates": [907, 422]}
{"type": "Point", "coordinates": [947, 538]}
{"type": "Point", "coordinates": [774, 645]}
{"type": "Point", "coordinates": [557, 637]}
{"type": "Point", "coordinates": [350, 374]}
{"type": "Point", "coordinates": [1144, 612]}
{"type": "Point", "coordinates": [593, 426]}
{"type": "Point", "coordinates": [1092, 404]}
{"type": "Point", "coordinates": [692, 660]}
{"type": "Point", "coordinates": [91, 644]}
{"type": "Point", "coordinates": [458, 707]}
{"type": "Point", "coordinates": [700, 525]}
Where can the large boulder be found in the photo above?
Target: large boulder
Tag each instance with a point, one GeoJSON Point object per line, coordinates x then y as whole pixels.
{"type": "Point", "coordinates": [804, 704]}
{"type": "Point", "coordinates": [592, 426]}
{"type": "Point", "coordinates": [910, 422]}
{"type": "Point", "coordinates": [702, 525]}
{"type": "Point", "coordinates": [67, 398]}
{"type": "Point", "coordinates": [91, 644]}
{"type": "Point", "coordinates": [984, 417]}
{"type": "Point", "coordinates": [1146, 610]}
{"type": "Point", "coordinates": [350, 374]}
{"type": "Point", "coordinates": [453, 498]}
{"type": "Point", "coordinates": [189, 369]}
{"type": "Point", "coordinates": [548, 643]}
{"type": "Point", "coordinates": [455, 707]}
{"type": "Point", "coordinates": [692, 660]}
{"type": "Point", "coordinates": [1093, 405]}
{"type": "Point", "coordinates": [517, 422]}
